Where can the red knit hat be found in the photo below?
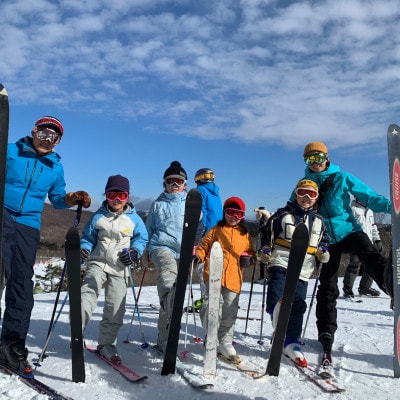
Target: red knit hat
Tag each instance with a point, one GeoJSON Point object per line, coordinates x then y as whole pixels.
{"type": "Point", "coordinates": [50, 122]}
{"type": "Point", "coordinates": [235, 202]}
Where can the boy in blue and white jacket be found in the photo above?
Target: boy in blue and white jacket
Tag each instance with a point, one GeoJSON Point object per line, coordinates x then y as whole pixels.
{"type": "Point", "coordinates": [276, 237]}
{"type": "Point", "coordinates": [113, 239]}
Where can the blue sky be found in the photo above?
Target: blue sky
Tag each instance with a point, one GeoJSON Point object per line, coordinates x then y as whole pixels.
{"type": "Point", "coordinates": [239, 86]}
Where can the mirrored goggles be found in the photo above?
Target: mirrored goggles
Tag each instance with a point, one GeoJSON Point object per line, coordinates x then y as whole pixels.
{"type": "Point", "coordinates": [234, 213]}
{"type": "Point", "coordinates": [303, 192]}
{"type": "Point", "coordinates": [175, 182]}
{"type": "Point", "coordinates": [315, 158]}
{"type": "Point", "coordinates": [121, 196]}
{"type": "Point", "coordinates": [48, 135]}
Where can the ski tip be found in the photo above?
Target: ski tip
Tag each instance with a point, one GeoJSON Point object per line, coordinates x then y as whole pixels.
{"type": "Point", "coordinates": [3, 90]}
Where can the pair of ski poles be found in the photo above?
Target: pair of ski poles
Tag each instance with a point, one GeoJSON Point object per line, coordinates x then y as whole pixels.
{"type": "Point", "coordinates": [53, 320]}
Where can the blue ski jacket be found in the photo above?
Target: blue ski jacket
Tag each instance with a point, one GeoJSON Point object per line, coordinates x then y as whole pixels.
{"type": "Point", "coordinates": [336, 201]}
{"type": "Point", "coordinates": [211, 205]}
{"type": "Point", "coordinates": [29, 180]}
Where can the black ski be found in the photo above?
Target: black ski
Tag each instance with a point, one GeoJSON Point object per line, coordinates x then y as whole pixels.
{"type": "Point", "coordinates": [72, 256]}
{"type": "Point", "coordinates": [36, 385]}
{"type": "Point", "coordinates": [4, 122]}
{"type": "Point", "coordinates": [190, 226]}
{"type": "Point", "coordinates": [393, 140]}
{"type": "Point", "coordinates": [298, 251]}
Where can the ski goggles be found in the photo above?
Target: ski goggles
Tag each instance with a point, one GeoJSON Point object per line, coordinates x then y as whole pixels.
{"type": "Point", "coordinates": [121, 196]}
{"type": "Point", "coordinates": [234, 213]}
{"type": "Point", "coordinates": [174, 182]}
{"type": "Point", "coordinates": [48, 135]}
{"type": "Point", "coordinates": [315, 158]}
{"type": "Point", "coordinates": [303, 192]}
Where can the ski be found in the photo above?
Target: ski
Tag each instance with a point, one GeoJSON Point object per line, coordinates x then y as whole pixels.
{"type": "Point", "coordinates": [190, 226]}
{"type": "Point", "coordinates": [36, 385]}
{"type": "Point", "coordinates": [72, 257]}
{"type": "Point", "coordinates": [191, 377]}
{"type": "Point", "coordinates": [4, 122]}
{"type": "Point", "coordinates": [327, 384]}
{"type": "Point", "coordinates": [214, 294]}
{"type": "Point", "coordinates": [393, 141]}
{"type": "Point", "coordinates": [242, 367]}
{"type": "Point", "coordinates": [297, 253]}
{"type": "Point", "coordinates": [121, 368]}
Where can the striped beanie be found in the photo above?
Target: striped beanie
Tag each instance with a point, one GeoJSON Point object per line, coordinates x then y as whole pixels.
{"type": "Point", "coordinates": [50, 122]}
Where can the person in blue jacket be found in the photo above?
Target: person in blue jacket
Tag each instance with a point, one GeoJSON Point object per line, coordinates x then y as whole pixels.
{"type": "Point", "coordinates": [347, 236]}
{"type": "Point", "coordinates": [165, 226]}
{"type": "Point", "coordinates": [211, 208]}
{"type": "Point", "coordinates": [33, 173]}
{"type": "Point", "coordinates": [112, 240]}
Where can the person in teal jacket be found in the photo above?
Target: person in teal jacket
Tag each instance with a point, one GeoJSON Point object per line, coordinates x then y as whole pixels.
{"type": "Point", "coordinates": [347, 236]}
{"type": "Point", "coordinates": [33, 173]}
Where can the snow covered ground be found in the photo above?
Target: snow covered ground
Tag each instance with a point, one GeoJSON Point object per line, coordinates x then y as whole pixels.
{"type": "Point", "coordinates": [363, 354]}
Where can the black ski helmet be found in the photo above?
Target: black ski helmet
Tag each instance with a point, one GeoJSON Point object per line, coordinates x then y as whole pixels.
{"type": "Point", "coordinates": [204, 175]}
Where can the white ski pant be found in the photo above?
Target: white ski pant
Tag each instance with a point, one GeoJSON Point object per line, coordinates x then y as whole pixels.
{"type": "Point", "coordinates": [167, 270]}
{"type": "Point", "coordinates": [114, 303]}
{"type": "Point", "coordinates": [228, 310]}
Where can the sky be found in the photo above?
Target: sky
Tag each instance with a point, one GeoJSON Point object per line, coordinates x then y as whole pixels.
{"type": "Point", "coordinates": [238, 86]}
{"type": "Point", "coordinates": [362, 354]}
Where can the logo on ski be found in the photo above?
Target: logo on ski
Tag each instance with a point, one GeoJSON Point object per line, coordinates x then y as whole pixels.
{"type": "Point", "coordinates": [396, 186]}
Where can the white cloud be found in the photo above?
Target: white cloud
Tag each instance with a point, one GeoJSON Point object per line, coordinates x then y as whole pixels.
{"type": "Point", "coordinates": [258, 69]}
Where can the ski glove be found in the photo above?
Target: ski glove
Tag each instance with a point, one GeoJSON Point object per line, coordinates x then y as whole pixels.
{"type": "Point", "coordinates": [196, 260]}
{"type": "Point", "coordinates": [84, 255]}
{"type": "Point", "coordinates": [262, 213]}
{"type": "Point", "coordinates": [264, 255]}
{"type": "Point", "coordinates": [73, 198]}
{"type": "Point", "coordinates": [245, 261]}
{"type": "Point", "coordinates": [378, 246]}
{"type": "Point", "coordinates": [322, 255]}
{"type": "Point", "coordinates": [129, 257]}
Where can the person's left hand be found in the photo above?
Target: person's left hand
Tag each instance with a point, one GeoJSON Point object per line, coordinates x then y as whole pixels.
{"type": "Point", "coordinates": [73, 198]}
{"type": "Point", "coordinates": [129, 257]}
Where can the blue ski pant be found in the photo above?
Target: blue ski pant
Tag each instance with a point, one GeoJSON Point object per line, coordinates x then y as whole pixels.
{"type": "Point", "coordinates": [276, 284]}
{"type": "Point", "coordinates": [20, 244]}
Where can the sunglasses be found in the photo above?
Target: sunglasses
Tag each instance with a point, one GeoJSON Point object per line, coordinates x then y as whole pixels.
{"type": "Point", "coordinates": [303, 192]}
{"type": "Point", "coordinates": [121, 196]}
{"type": "Point", "coordinates": [316, 158]}
{"type": "Point", "coordinates": [47, 135]}
{"type": "Point", "coordinates": [234, 213]}
{"type": "Point", "coordinates": [174, 182]}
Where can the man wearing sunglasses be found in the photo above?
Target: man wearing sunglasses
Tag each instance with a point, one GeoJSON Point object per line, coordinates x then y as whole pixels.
{"type": "Point", "coordinates": [165, 226]}
{"type": "Point", "coordinates": [34, 173]}
{"type": "Point", "coordinates": [347, 236]}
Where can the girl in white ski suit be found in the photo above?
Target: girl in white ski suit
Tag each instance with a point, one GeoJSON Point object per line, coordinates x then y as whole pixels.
{"type": "Point", "coordinates": [115, 226]}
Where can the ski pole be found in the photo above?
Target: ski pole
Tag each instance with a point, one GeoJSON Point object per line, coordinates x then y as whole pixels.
{"type": "Point", "coordinates": [134, 310]}
{"type": "Point", "coordinates": [144, 345]}
{"type": "Point", "coordinates": [250, 296]}
{"type": "Point", "coordinates": [42, 355]}
{"type": "Point", "coordinates": [52, 323]}
{"type": "Point", "coordinates": [311, 302]}
{"type": "Point", "coordinates": [196, 338]}
{"type": "Point", "coordinates": [260, 341]}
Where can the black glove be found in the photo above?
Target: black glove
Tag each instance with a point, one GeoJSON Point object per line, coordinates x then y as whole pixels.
{"type": "Point", "coordinates": [196, 259]}
{"type": "Point", "coordinates": [245, 261]}
{"type": "Point", "coordinates": [129, 257]}
{"type": "Point", "coordinates": [378, 246]}
{"type": "Point", "coordinates": [84, 255]}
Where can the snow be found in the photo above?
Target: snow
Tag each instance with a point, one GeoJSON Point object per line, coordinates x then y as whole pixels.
{"type": "Point", "coordinates": [362, 353]}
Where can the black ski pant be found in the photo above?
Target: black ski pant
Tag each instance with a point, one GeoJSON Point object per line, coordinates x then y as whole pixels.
{"type": "Point", "coordinates": [20, 244]}
{"type": "Point", "coordinates": [360, 244]}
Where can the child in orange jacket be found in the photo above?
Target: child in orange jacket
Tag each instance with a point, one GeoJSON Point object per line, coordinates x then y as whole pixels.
{"type": "Point", "coordinates": [239, 253]}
